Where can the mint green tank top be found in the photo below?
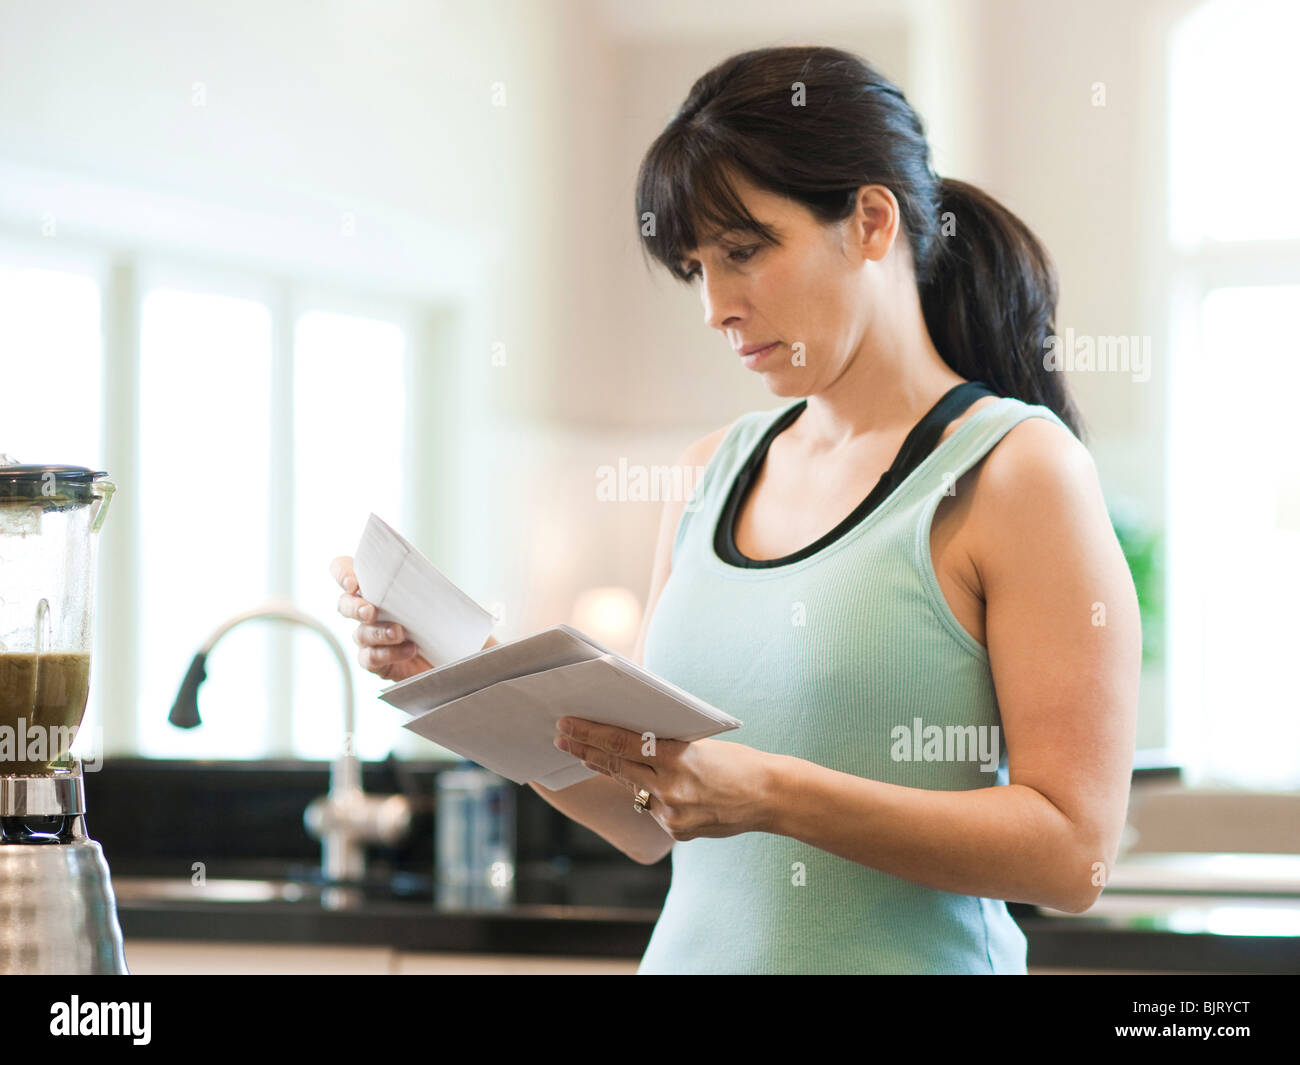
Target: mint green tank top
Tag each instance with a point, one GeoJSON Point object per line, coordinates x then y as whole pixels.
{"type": "Point", "coordinates": [831, 658]}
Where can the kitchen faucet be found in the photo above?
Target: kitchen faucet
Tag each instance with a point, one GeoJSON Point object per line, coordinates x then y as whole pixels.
{"type": "Point", "coordinates": [346, 818]}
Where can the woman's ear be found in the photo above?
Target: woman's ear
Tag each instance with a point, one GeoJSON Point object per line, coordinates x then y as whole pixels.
{"type": "Point", "coordinates": [874, 223]}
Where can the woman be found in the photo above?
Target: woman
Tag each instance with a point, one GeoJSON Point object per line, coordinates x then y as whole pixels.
{"type": "Point", "coordinates": [905, 583]}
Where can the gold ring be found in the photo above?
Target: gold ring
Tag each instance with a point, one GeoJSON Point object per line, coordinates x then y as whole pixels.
{"type": "Point", "coordinates": [641, 801]}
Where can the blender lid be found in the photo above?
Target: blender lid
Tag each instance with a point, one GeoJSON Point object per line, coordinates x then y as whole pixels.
{"type": "Point", "coordinates": [74, 483]}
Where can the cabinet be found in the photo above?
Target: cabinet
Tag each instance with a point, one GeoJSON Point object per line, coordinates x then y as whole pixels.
{"type": "Point", "coordinates": [171, 957]}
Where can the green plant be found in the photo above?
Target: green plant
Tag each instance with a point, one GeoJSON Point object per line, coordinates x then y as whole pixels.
{"type": "Point", "coordinates": [1143, 547]}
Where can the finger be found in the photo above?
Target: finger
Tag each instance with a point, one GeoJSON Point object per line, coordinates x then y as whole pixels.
{"type": "Point", "coordinates": [374, 659]}
{"type": "Point", "coordinates": [386, 672]}
{"type": "Point", "coordinates": [341, 570]}
{"type": "Point", "coordinates": [632, 775]}
{"type": "Point", "coordinates": [620, 742]}
{"type": "Point", "coordinates": [356, 608]}
{"type": "Point", "coordinates": [379, 635]}
{"type": "Point", "coordinates": [645, 748]}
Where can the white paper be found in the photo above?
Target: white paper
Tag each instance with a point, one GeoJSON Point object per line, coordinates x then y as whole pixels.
{"type": "Point", "coordinates": [444, 622]}
{"type": "Point", "coordinates": [499, 707]}
{"type": "Point", "coordinates": [558, 646]}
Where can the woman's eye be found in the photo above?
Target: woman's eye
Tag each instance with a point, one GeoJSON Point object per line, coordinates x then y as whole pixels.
{"type": "Point", "coordinates": [736, 255]}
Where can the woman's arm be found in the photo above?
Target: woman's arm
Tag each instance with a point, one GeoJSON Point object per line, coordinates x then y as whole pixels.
{"type": "Point", "coordinates": [1065, 648]}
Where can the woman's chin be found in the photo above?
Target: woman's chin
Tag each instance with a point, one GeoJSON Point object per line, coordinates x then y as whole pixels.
{"type": "Point", "coordinates": [784, 384]}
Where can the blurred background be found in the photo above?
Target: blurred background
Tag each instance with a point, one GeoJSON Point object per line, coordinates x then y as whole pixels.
{"type": "Point", "coordinates": [275, 266]}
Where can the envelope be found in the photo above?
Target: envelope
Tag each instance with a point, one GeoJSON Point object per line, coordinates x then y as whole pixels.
{"type": "Point", "coordinates": [508, 726]}
{"type": "Point", "coordinates": [444, 622]}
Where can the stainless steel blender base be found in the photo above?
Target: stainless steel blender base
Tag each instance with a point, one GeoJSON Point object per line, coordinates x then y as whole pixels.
{"type": "Point", "coordinates": [58, 914]}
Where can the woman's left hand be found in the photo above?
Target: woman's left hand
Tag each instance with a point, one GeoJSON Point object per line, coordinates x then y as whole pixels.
{"type": "Point", "coordinates": [706, 787]}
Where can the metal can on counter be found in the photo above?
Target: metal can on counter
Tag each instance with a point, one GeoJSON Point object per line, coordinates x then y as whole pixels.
{"type": "Point", "coordinates": [474, 838]}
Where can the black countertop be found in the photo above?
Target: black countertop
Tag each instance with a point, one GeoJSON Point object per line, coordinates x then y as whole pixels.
{"type": "Point", "coordinates": [579, 931]}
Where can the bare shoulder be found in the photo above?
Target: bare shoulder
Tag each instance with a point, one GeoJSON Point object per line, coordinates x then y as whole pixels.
{"type": "Point", "coordinates": [1037, 454]}
{"type": "Point", "coordinates": [700, 451]}
{"type": "Point", "coordinates": [695, 456]}
{"type": "Point", "coordinates": [1038, 481]}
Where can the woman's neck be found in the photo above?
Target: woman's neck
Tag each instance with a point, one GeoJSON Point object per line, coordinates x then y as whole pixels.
{"type": "Point", "coordinates": [883, 390]}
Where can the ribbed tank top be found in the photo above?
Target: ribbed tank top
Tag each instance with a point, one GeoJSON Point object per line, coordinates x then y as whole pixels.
{"type": "Point", "coordinates": [824, 658]}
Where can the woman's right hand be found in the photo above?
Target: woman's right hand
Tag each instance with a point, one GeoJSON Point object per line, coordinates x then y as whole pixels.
{"type": "Point", "coordinates": [385, 650]}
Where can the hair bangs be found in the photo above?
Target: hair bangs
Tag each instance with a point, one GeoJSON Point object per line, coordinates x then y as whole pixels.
{"type": "Point", "coordinates": [685, 196]}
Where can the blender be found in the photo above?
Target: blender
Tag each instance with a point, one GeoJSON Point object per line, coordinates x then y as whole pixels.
{"type": "Point", "coordinates": [57, 910]}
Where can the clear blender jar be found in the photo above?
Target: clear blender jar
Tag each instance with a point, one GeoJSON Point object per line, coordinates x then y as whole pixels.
{"type": "Point", "coordinates": [50, 517]}
{"type": "Point", "coordinates": [58, 914]}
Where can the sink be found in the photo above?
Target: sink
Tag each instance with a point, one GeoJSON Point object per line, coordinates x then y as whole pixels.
{"type": "Point", "coordinates": [541, 883]}
{"type": "Point", "coordinates": [288, 884]}
{"type": "Point", "coordinates": [167, 889]}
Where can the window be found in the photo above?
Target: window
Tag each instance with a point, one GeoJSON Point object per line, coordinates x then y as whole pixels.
{"type": "Point", "coordinates": [221, 533]}
{"type": "Point", "coordinates": [348, 461]}
{"type": "Point", "coordinates": [250, 434]}
{"type": "Point", "coordinates": [1234, 485]}
{"type": "Point", "coordinates": [50, 351]}
{"type": "Point", "coordinates": [204, 510]}
{"type": "Point", "coordinates": [50, 407]}
{"type": "Point", "coordinates": [1232, 143]}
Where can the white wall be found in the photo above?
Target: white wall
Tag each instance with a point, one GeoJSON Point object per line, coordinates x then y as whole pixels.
{"type": "Point", "coordinates": [288, 113]}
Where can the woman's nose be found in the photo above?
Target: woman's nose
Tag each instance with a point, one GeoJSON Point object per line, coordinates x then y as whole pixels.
{"type": "Point", "coordinates": [720, 305]}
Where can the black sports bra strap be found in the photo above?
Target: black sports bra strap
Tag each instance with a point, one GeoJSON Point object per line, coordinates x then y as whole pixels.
{"type": "Point", "coordinates": [925, 435]}
{"type": "Point", "coordinates": [923, 439]}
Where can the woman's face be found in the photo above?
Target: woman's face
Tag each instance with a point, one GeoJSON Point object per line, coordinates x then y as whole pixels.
{"type": "Point", "coordinates": [812, 297]}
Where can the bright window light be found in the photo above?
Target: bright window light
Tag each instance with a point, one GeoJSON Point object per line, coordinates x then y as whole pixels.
{"type": "Point", "coordinates": [50, 403]}
{"type": "Point", "coordinates": [50, 349]}
{"type": "Point", "coordinates": [1234, 97]}
{"type": "Point", "coordinates": [1236, 485]}
{"type": "Point", "coordinates": [204, 502]}
{"type": "Point", "coordinates": [348, 461]}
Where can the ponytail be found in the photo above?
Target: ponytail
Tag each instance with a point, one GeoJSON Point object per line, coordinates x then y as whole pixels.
{"type": "Point", "coordinates": [989, 300]}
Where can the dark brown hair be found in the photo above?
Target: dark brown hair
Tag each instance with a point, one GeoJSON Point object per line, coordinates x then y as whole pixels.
{"type": "Point", "coordinates": [987, 287]}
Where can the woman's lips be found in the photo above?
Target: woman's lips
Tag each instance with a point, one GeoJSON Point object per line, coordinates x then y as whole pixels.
{"type": "Point", "coordinates": [751, 360]}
